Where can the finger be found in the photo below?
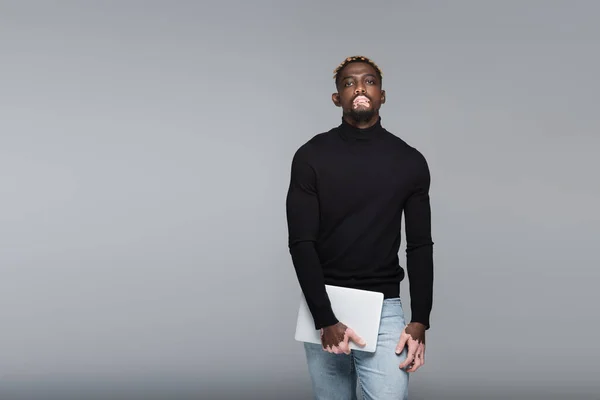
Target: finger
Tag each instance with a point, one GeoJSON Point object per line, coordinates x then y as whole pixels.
{"type": "Point", "coordinates": [419, 359]}
{"type": "Point", "coordinates": [402, 342]}
{"type": "Point", "coordinates": [355, 338]}
{"type": "Point", "coordinates": [421, 353]}
{"type": "Point", "coordinates": [344, 346]}
{"type": "Point", "coordinates": [336, 350]}
{"type": "Point", "coordinates": [412, 349]}
{"type": "Point", "coordinates": [415, 365]}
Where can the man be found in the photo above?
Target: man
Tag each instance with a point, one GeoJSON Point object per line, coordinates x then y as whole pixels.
{"type": "Point", "coordinates": [349, 187]}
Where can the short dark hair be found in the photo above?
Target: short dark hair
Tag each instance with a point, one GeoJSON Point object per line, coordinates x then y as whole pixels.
{"type": "Point", "coordinates": [356, 59]}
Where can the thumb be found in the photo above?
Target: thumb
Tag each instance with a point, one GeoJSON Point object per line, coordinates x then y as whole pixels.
{"type": "Point", "coordinates": [355, 338]}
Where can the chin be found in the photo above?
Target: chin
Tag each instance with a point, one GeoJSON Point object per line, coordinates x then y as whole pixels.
{"type": "Point", "coordinates": [362, 115]}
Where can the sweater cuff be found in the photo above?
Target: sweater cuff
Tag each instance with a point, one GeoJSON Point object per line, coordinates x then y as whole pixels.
{"type": "Point", "coordinates": [421, 318]}
{"type": "Point", "coordinates": [323, 317]}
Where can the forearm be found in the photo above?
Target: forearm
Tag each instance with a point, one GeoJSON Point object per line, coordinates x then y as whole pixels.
{"type": "Point", "coordinates": [419, 262]}
{"type": "Point", "coordinates": [310, 277]}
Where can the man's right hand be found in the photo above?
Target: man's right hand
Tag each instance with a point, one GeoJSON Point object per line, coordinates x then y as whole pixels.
{"type": "Point", "coordinates": [335, 338]}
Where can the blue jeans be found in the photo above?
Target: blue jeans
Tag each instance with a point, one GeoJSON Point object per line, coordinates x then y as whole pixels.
{"type": "Point", "coordinates": [335, 376]}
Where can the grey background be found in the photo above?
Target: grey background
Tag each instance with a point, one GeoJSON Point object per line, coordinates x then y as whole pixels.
{"type": "Point", "coordinates": [144, 162]}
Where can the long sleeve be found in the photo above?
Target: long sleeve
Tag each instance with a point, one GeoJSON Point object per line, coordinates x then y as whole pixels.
{"type": "Point", "coordinates": [419, 246]}
{"type": "Point", "coordinates": [302, 207]}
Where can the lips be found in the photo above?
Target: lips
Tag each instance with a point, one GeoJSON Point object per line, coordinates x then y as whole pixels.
{"type": "Point", "coordinates": [361, 101]}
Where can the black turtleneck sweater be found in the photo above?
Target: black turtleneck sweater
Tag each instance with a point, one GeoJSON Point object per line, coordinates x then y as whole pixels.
{"type": "Point", "coordinates": [348, 190]}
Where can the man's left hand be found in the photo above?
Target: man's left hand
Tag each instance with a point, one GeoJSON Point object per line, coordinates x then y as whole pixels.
{"type": "Point", "coordinates": [413, 335]}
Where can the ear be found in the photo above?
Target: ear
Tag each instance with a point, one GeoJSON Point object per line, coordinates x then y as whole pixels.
{"type": "Point", "coordinates": [336, 99]}
{"type": "Point", "coordinates": [383, 97]}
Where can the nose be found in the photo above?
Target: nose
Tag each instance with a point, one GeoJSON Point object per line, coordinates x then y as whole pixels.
{"type": "Point", "coordinates": [359, 90]}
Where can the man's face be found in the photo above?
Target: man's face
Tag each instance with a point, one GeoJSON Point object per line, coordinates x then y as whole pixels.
{"type": "Point", "coordinates": [359, 92]}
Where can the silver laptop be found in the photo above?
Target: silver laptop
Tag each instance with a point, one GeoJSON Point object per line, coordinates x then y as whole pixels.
{"type": "Point", "coordinates": [357, 309]}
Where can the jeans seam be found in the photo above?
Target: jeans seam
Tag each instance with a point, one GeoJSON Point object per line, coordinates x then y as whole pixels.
{"type": "Point", "coordinates": [362, 389]}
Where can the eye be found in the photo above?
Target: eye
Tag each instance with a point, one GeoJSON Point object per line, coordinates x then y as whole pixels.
{"type": "Point", "coordinates": [371, 81]}
{"type": "Point", "coordinates": [348, 83]}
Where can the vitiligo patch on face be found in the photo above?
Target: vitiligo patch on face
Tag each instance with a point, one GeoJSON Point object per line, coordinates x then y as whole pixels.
{"type": "Point", "coordinates": [361, 101]}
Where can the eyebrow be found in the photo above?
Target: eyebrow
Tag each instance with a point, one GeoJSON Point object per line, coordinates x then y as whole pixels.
{"type": "Point", "coordinates": [365, 75]}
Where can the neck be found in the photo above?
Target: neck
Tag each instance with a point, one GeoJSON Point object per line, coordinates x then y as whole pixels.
{"type": "Point", "coordinates": [370, 130]}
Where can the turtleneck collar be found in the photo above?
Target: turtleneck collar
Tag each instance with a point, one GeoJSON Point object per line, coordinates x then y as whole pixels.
{"type": "Point", "coordinates": [350, 132]}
